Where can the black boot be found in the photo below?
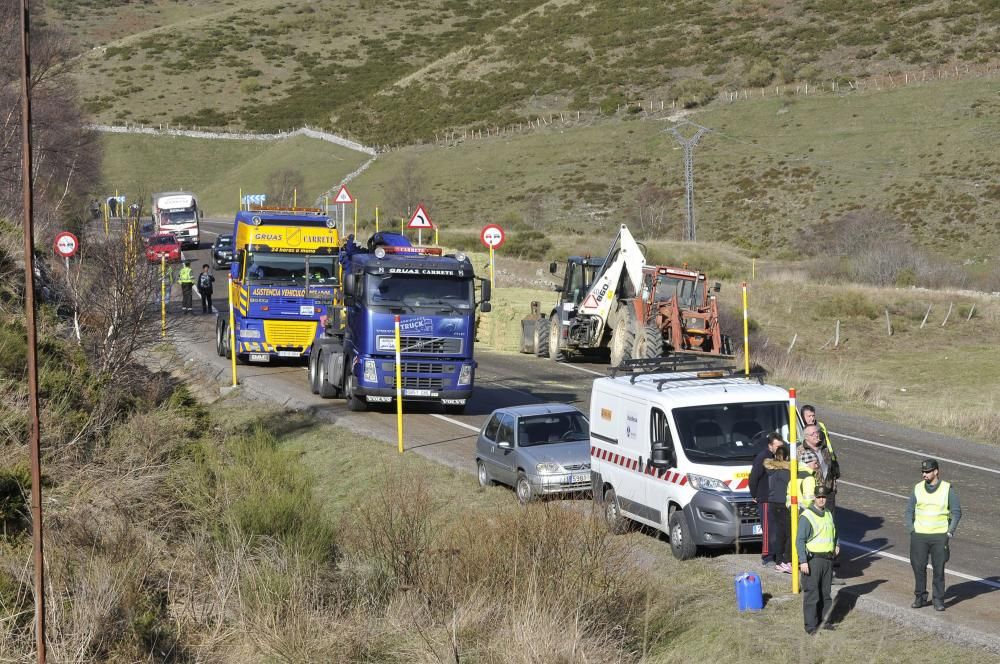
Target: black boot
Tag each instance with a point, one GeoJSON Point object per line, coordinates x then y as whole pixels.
{"type": "Point", "coordinates": [920, 601]}
{"type": "Point", "coordinates": [938, 604]}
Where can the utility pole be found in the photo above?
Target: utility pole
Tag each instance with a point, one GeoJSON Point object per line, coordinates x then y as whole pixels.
{"type": "Point", "coordinates": [34, 437]}
{"type": "Point", "coordinates": [688, 145]}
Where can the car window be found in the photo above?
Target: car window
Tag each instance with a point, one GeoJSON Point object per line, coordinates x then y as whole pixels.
{"type": "Point", "coordinates": [552, 428]}
{"type": "Point", "coordinates": [506, 431]}
{"type": "Point", "coordinates": [490, 432]}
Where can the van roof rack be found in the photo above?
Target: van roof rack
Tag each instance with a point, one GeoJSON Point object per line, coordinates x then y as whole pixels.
{"type": "Point", "coordinates": [713, 366]}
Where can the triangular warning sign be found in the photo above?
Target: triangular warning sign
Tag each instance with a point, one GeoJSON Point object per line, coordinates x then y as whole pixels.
{"type": "Point", "coordinates": [420, 219]}
{"type": "Point", "coordinates": [343, 196]}
{"type": "Point", "coordinates": [590, 302]}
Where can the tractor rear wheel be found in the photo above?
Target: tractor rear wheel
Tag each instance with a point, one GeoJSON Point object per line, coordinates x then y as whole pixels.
{"type": "Point", "coordinates": [622, 341]}
{"type": "Point", "coordinates": [648, 342]}
{"type": "Point", "coordinates": [542, 337]}
{"type": "Point", "coordinates": [555, 331]}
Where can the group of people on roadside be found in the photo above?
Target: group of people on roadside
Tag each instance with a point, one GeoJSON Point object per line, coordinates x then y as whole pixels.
{"type": "Point", "coordinates": [204, 284]}
{"type": "Point", "coordinates": [932, 514]}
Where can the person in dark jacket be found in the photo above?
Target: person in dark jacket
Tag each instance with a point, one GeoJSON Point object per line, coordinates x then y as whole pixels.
{"type": "Point", "coordinates": [205, 287]}
{"type": "Point", "coordinates": [781, 534]}
{"type": "Point", "coordinates": [759, 490]}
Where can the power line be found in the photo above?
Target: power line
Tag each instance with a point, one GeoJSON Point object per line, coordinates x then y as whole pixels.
{"type": "Point", "coordinates": [688, 144]}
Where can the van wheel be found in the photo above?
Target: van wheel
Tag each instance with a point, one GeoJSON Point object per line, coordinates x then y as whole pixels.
{"type": "Point", "coordinates": [682, 542]}
{"type": "Point", "coordinates": [617, 525]}
{"type": "Point", "coordinates": [483, 475]}
{"type": "Point", "coordinates": [523, 487]}
{"type": "Point", "coordinates": [542, 337]}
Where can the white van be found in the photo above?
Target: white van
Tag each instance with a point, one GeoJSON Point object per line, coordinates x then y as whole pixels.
{"type": "Point", "coordinates": [673, 451]}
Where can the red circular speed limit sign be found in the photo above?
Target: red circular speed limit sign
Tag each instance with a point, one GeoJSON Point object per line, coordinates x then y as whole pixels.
{"type": "Point", "coordinates": [492, 236]}
{"type": "Point", "coordinates": [66, 244]}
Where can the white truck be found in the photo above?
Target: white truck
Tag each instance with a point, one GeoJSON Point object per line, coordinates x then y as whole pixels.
{"type": "Point", "coordinates": [671, 443]}
{"type": "Point", "coordinates": [177, 213]}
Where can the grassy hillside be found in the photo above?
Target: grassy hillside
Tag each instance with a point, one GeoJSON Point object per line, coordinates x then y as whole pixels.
{"type": "Point", "coordinates": [217, 169]}
{"type": "Point", "coordinates": [397, 71]}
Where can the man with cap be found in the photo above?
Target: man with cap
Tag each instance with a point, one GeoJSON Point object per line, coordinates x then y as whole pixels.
{"type": "Point", "coordinates": [186, 279]}
{"type": "Point", "coordinates": [817, 546]}
{"type": "Point", "coordinates": [932, 516]}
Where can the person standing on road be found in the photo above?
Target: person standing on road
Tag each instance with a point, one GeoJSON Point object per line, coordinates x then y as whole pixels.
{"type": "Point", "coordinates": [781, 528]}
{"type": "Point", "coordinates": [817, 547]}
{"type": "Point", "coordinates": [759, 490]}
{"type": "Point", "coordinates": [809, 417]}
{"type": "Point", "coordinates": [932, 516]}
{"type": "Point", "coordinates": [826, 476]}
{"type": "Point", "coordinates": [205, 281]}
{"type": "Point", "coordinates": [186, 279]}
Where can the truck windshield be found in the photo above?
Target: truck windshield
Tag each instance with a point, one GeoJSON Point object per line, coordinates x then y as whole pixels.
{"type": "Point", "coordinates": [419, 292]}
{"type": "Point", "coordinates": [273, 268]}
{"type": "Point", "coordinates": [732, 432]}
{"type": "Point", "coordinates": [173, 217]}
{"type": "Point", "coordinates": [552, 428]}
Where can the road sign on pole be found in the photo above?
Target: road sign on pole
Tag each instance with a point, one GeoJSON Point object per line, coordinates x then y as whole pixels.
{"type": "Point", "coordinates": [343, 196]}
{"type": "Point", "coordinates": [492, 236]}
{"type": "Point", "coordinates": [66, 244]}
{"type": "Point", "coordinates": [420, 219]}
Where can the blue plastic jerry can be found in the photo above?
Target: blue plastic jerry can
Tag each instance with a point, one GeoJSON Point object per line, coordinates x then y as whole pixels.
{"type": "Point", "coordinates": [749, 593]}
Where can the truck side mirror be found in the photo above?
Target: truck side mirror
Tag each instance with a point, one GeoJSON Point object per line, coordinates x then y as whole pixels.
{"type": "Point", "coordinates": [485, 307]}
{"type": "Point", "coordinates": [348, 284]}
{"type": "Point", "coordinates": [662, 456]}
{"type": "Point", "coordinates": [486, 291]}
{"type": "Point", "coordinates": [553, 267]}
{"type": "Point", "coordinates": [716, 286]}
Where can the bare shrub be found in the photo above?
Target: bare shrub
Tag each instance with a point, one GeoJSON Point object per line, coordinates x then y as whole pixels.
{"type": "Point", "coordinates": [407, 190]}
{"type": "Point", "coordinates": [651, 206]}
{"type": "Point", "coordinates": [283, 185]}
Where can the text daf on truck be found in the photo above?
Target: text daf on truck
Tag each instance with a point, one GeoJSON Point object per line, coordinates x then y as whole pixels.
{"type": "Point", "coordinates": [285, 276]}
{"type": "Point", "coordinates": [177, 213]}
{"type": "Point", "coordinates": [433, 295]}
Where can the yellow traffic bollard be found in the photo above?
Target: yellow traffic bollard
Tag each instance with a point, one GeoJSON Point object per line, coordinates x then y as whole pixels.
{"type": "Point", "coordinates": [376, 219]}
{"type": "Point", "coordinates": [436, 243]}
{"type": "Point", "coordinates": [746, 333]}
{"type": "Point", "coordinates": [793, 471]}
{"type": "Point", "coordinates": [399, 391]}
{"type": "Point", "coordinates": [491, 268]}
{"type": "Point", "coordinates": [355, 218]}
{"type": "Point", "coordinates": [232, 331]}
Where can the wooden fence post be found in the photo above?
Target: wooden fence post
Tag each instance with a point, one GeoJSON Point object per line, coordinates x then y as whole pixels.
{"type": "Point", "coordinates": [792, 345]}
{"type": "Point", "coordinates": [971, 311]}
{"type": "Point", "coordinates": [836, 335]}
{"type": "Point", "coordinates": [924, 321]}
{"type": "Point", "coordinates": [950, 305]}
{"type": "Point", "coordinates": [888, 323]}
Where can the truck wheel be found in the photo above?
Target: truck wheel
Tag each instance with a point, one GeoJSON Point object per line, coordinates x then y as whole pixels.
{"type": "Point", "coordinates": [682, 542]}
{"type": "Point", "coordinates": [220, 348]}
{"type": "Point", "coordinates": [542, 337]}
{"type": "Point", "coordinates": [648, 343]}
{"type": "Point", "coordinates": [523, 488]}
{"type": "Point", "coordinates": [314, 358]}
{"type": "Point", "coordinates": [324, 387]}
{"type": "Point", "coordinates": [555, 332]}
{"type": "Point", "coordinates": [617, 524]}
{"type": "Point", "coordinates": [355, 404]}
{"type": "Point", "coordinates": [622, 341]}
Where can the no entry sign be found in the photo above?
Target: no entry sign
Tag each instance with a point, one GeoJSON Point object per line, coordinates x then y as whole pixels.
{"type": "Point", "coordinates": [66, 244]}
{"type": "Point", "coordinates": [492, 236]}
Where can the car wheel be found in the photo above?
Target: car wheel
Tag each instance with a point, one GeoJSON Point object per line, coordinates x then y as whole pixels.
{"type": "Point", "coordinates": [525, 494]}
{"type": "Point", "coordinates": [314, 360]}
{"type": "Point", "coordinates": [616, 522]}
{"type": "Point", "coordinates": [483, 475]}
{"type": "Point", "coordinates": [542, 337]}
{"type": "Point", "coordinates": [682, 543]}
{"type": "Point", "coordinates": [555, 331]}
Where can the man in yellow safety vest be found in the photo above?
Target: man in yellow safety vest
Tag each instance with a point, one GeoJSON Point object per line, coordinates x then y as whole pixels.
{"type": "Point", "coordinates": [807, 468]}
{"type": "Point", "coordinates": [186, 279]}
{"type": "Point", "coordinates": [817, 546]}
{"type": "Point", "coordinates": [932, 516]}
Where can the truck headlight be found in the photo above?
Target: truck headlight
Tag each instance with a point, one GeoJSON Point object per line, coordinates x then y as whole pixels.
{"type": "Point", "coordinates": [465, 375]}
{"type": "Point", "coordinates": [370, 376]}
{"type": "Point", "coordinates": [702, 483]}
{"type": "Point", "coordinates": [548, 468]}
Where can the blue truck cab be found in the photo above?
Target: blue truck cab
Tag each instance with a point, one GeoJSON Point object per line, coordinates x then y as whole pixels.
{"type": "Point", "coordinates": [285, 278]}
{"type": "Point", "coordinates": [434, 297]}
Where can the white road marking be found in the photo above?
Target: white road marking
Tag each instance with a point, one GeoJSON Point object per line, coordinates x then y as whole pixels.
{"type": "Point", "coordinates": [915, 453]}
{"type": "Point", "coordinates": [868, 488]}
{"type": "Point", "coordinates": [456, 422]}
{"type": "Point", "coordinates": [904, 559]}
{"type": "Point", "coordinates": [590, 371]}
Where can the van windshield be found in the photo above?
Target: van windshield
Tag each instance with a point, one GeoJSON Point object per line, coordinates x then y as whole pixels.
{"type": "Point", "coordinates": [730, 433]}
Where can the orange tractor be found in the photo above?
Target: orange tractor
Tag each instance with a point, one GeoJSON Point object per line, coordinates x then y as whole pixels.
{"type": "Point", "coordinates": [676, 311]}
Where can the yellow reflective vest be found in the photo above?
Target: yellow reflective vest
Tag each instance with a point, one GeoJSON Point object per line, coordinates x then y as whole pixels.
{"type": "Point", "coordinates": [185, 276]}
{"type": "Point", "coordinates": [931, 514]}
{"type": "Point", "coordinates": [823, 532]}
{"type": "Point", "coordinates": [807, 489]}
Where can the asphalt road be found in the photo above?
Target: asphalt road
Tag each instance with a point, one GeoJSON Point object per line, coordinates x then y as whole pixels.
{"type": "Point", "coordinates": [880, 464]}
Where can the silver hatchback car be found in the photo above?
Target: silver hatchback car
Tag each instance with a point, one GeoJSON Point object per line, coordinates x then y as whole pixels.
{"type": "Point", "coordinates": [539, 450]}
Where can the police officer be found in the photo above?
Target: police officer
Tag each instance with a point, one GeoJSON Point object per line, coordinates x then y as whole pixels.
{"type": "Point", "coordinates": [932, 515]}
{"type": "Point", "coordinates": [817, 546]}
{"type": "Point", "coordinates": [186, 279]}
